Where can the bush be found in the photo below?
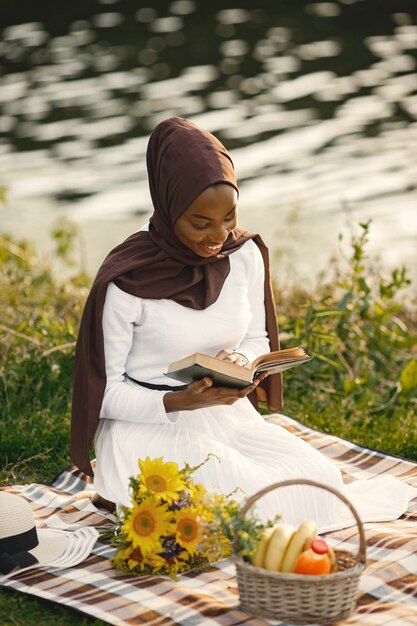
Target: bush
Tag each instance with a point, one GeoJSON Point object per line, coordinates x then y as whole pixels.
{"type": "Point", "coordinates": [38, 331]}
{"type": "Point", "coordinates": [362, 383]}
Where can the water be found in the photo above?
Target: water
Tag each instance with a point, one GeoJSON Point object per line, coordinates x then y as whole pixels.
{"type": "Point", "coordinates": [317, 103]}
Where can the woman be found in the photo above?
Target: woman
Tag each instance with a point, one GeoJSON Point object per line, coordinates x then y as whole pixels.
{"type": "Point", "coordinates": [194, 282]}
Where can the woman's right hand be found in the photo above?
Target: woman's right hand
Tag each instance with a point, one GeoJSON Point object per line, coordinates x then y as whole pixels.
{"type": "Point", "coordinates": [201, 394]}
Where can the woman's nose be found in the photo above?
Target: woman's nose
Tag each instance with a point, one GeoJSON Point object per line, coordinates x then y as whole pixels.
{"type": "Point", "coordinates": [219, 233]}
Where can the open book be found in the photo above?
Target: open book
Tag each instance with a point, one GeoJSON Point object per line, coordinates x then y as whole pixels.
{"type": "Point", "coordinates": [226, 374]}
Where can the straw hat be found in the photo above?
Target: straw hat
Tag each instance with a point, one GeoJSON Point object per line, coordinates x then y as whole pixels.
{"type": "Point", "coordinates": [23, 545]}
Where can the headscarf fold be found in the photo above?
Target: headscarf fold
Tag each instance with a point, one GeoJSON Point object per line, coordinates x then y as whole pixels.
{"type": "Point", "coordinates": [183, 160]}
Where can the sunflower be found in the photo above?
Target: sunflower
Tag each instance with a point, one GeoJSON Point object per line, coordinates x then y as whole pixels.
{"type": "Point", "coordinates": [197, 491]}
{"type": "Point", "coordinates": [133, 557]}
{"type": "Point", "coordinates": [134, 560]}
{"type": "Point", "coordinates": [145, 526]}
{"type": "Point", "coordinates": [161, 479]}
{"type": "Point", "coordinates": [189, 530]}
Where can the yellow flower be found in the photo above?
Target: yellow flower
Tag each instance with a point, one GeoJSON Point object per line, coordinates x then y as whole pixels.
{"type": "Point", "coordinates": [197, 491]}
{"type": "Point", "coordinates": [145, 526]}
{"type": "Point", "coordinates": [161, 479]}
{"type": "Point", "coordinates": [189, 531]}
{"type": "Point", "coordinates": [215, 547]}
{"type": "Point", "coordinates": [134, 559]}
{"type": "Point", "coordinates": [133, 556]}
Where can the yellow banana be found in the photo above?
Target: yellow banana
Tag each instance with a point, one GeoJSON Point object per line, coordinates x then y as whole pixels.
{"type": "Point", "coordinates": [333, 562]}
{"type": "Point", "coordinates": [307, 531]}
{"type": "Point", "coordinates": [259, 555]}
{"type": "Point", "coordinates": [277, 546]}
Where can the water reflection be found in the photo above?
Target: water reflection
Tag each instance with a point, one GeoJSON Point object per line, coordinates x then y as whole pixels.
{"type": "Point", "coordinates": [317, 100]}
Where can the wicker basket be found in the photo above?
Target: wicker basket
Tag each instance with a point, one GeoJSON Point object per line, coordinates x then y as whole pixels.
{"type": "Point", "coordinates": [298, 598]}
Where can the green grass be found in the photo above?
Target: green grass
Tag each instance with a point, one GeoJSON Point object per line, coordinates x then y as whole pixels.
{"type": "Point", "coordinates": [18, 609]}
{"type": "Point", "coordinates": [361, 385]}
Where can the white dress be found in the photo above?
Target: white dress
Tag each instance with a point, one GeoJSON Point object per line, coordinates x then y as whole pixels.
{"type": "Point", "coordinates": [141, 337]}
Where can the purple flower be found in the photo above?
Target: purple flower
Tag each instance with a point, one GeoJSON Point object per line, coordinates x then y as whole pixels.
{"type": "Point", "coordinates": [171, 548]}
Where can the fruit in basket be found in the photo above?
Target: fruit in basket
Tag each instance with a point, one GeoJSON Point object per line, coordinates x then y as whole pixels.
{"type": "Point", "coordinates": [258, 556]}
{"type": "Point", "coordinates": [315, 560]}
{"type": "Point", "coordinates": [277, 546]}
{"type": "Point", "coordinates": [283, 548]}
{"type": "Point", "coordinates": [302, 538]}
{"type": "Point", "coordinates": [333, 561]}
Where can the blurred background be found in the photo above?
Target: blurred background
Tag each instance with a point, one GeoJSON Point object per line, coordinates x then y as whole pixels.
{"type": "Point", "coordinates": [316, 101]}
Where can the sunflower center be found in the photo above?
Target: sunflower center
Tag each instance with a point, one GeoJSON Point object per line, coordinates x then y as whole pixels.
{"type": "Point", "coordinates": [156, 483]}
{"type": "Point", "coordinates": [188, 529]}
{"type": "Point", "coordinates": [144, 524]}
{"type": "Point", "coordinates": [136, 555]}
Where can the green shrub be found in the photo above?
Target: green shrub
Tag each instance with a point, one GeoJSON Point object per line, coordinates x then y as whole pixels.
{"type": "Point", "coordinates": [362, 383]}
{"type": "Point", "coordinates": [39, 323]}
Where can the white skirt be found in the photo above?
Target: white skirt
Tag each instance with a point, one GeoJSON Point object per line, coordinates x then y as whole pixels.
{"type": "Point", "coordinates": [251, 454]}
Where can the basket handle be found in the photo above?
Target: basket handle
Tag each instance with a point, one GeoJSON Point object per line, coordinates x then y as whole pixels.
{"type": "Point", "coordinates": [304, 481]}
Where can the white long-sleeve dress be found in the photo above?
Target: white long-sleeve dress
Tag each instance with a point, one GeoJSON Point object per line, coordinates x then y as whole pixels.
{"type": "Point", "coordinates": [141, 337]}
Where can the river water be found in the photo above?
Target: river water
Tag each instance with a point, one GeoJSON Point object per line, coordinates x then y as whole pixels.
{"type": "Point", "coordinates": [316, 101]}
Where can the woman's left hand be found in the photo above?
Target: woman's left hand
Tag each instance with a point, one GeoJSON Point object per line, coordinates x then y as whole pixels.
{"type": "Point", "coordinates": [233, 357]}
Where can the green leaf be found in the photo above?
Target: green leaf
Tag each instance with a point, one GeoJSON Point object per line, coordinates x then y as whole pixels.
{"type": "Point", "coordinates": [408, 376]}
{"type": "Point", "coordinates": [345, 300]}
{"type": "Point", "coordinates": [347, 384]}
{"type": "Point", "coordinates": [363, 286]}
{"type": "Point", "coordinates": [325, 359]}
{"type": "Point", "coordinates": [328, 313]}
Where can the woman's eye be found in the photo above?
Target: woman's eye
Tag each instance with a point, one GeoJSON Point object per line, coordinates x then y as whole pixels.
{"type": "Point", "coordinates": [228, 219]}
{"type": "Point", "coordinates": [200, 226]}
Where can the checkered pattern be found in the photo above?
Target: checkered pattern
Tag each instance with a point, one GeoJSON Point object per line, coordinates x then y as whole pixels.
{"type": "Point", "coordinates": [388, 587]}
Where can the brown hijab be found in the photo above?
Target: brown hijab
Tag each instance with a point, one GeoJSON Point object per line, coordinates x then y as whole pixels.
{"type": "Point", "coordinates": [182, 160]}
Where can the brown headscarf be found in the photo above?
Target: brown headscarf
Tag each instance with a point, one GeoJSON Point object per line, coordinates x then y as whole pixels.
{"type": "Point", "coordinates": [182, 160]}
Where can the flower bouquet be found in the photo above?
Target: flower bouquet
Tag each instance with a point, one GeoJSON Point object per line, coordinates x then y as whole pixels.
{"type": "Point", "coordinates": [175, 524]}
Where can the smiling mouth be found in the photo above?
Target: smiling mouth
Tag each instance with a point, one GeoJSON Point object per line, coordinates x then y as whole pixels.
{"type": "Point", "coordinates": [212, 248]}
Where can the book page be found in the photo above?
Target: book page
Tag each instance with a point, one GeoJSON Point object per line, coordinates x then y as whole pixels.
{"type": "Point", "coordinates": [289, 354]}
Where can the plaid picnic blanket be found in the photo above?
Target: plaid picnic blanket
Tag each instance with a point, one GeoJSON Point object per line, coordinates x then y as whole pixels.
{"type": "Point", "coordinates": [387, 588]}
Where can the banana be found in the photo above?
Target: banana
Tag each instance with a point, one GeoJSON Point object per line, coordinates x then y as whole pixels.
{"type": "Point", "coordinates": [307, 543]}
{"type": "Point", "coordinates": [277, 546]}
{"type": "Point", "coordinates": [333, 562]}
{"type": "Point", "coordinates": [259, 555]}
{"type": "Point", "coordinates": [306, 531]}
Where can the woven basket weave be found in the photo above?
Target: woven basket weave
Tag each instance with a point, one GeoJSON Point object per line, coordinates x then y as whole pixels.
{"type": "Point", "coordinates": [298, 598]}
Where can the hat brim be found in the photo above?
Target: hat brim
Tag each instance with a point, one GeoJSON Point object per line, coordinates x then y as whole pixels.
{"type": "Point", "coordinates": [52, 546]}
{"type": "Point", "coordinates": [58, 549]}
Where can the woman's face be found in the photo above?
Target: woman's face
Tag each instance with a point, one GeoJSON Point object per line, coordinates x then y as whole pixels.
{"type": "Point", "coordinates": [207, 222]}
